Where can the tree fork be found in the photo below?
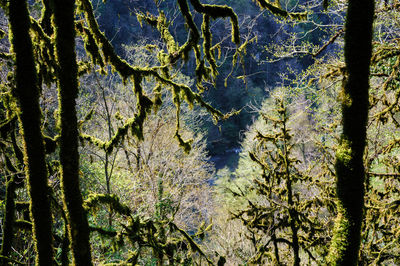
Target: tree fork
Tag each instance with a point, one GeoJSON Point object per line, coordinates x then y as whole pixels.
{"type": "Point", "coordinates": [69, 156]}
{"type": "Point", "coordinates": [350, 172]}
{"type": "Point", "coordinates": [27, 94]}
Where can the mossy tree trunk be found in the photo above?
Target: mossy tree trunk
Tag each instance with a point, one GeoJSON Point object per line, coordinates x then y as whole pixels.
{"type": "Point", "coordinates": [27, 93]}
{"type": "Point", "coordinates": [11, 186]}
{"type": "Point", "coordinates": [69, 156]}
{"type": "Point", "coordinates": [350, 172]}
{"type": "Point", "coordinates": [9, 218]}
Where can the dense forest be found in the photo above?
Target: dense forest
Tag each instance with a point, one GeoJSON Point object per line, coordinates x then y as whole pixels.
{"type": "Point", "coordinates": [200, 132]}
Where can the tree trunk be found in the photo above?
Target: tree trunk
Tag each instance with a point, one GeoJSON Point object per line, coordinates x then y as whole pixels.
{"type": "Point", "coordinates": [27, 93]}
{"type": "Point", "coordinates": [69, 156]}
{"type": "Point", "coordinates": [350, 172]}
{"type": "Point", "coordinates": [9, 219]}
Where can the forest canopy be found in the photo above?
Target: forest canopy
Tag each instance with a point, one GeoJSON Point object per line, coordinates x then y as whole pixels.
{"type": "Point", "coordinates": [196, 132]}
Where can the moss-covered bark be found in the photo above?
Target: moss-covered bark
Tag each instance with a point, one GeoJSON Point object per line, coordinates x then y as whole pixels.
{"type": "Point", "coordinates": [349, 166]}
{"type": "Point", "coordinates": [9, 218]}
{"type": "Point", "coordinates": [9, 213]}
{"type": "Point", "coordinates": [69, 156]}
{"type": "Point", "coordinates": [27, 93]}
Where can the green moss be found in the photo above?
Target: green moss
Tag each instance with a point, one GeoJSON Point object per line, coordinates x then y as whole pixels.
{"type": "Point", "coordinates": [135, 124]}
{"type": "Point", "coordinates": [344, 153]}
{"type": "Point", "coordinates": [50, 144]}
{"type": "Point", "coordinates": [95, 200]}
{"type": "Point", "coordinates": [24, 225]}
{"type": "Point", "coordinates": [44, 51]}
{"type": "Point", "coordinates": [103, 232]}
{"type": "Point", "coordinates": [186, 145]}
{"type": "Point", "coordinates": [27, 94]}
{"type": "Point", "coordinates": [276, 10]}
{"type": "Point", "coordinates": [67, 79]}
{"type": "Point", "coordinates": [339, 242]}
{"type": "Point", "coordinates": [180, 92]}
{"type": "Point", "coordinates": [220, 11]}
{"type": "Point", "coordinates": [90, 45]}
{"type": "Point", "coordinates": [9, 219]}
{"type": "Point", "coordinates": [45, 19]}
{"type": "Point", "coordinates": [205, 27]}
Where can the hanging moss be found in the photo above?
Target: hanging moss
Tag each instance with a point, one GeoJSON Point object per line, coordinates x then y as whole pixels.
{"type": "Point", "coordinates": [220, 11]}
{"type": "Point", "coordinates": [90, 45]}
{"type": "Point", "coordinates": [205, 27]}
{"type": "Point", "coordinates": [120, 65]}
{"type": "Point", "coordinates": [239, 54]}
{"type": "Point", "coordinates": [161, 74]}
{"type": "Point", "coordinates": [157, 98]}
{"type": "Point", "coordinates": [162, 26]}
{"type": "Point", "coordinates": [44, 53]}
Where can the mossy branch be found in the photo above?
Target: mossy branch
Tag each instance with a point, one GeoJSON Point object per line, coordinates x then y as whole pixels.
{"type": "Point", "coordinates": [50, 143]}
{"type": "Point", "coordinates": [102, 231]}
{"type": "Point", "coordinates": [94, 200]}
{"type": "Point", "coordinates": [384, 52]}
{"type": "Point", "coordinates": [179, 91]}
{"type": "Point", "coordinates": [205, 27]}
{"type": "Point", "coordinates": [280, 12]}
{"type": "Point", "coordinates": [11, 260]}
{"type": "Point", "coordinates": [193, 245]}
{"type": "Point", "coordinates": [220, 11]}
{"type": "Point", "coordinates": [135, 124]}
{"type": "Point", "coordinates": [90, 44]}
{"type": "Point", "coordinates": [23, 224]}
{"type": "Point", "coordinates": [44, 53]}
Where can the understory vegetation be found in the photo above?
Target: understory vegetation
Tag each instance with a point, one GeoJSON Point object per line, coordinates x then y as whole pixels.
{"type": "Point", "coordinates": [195, 132]}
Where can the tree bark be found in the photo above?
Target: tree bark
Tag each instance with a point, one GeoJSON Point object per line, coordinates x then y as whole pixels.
{"type": "Point", "coordinates": [9, 219]}
{"type": "Point", "coordinates": [69, 155]}
{"type": "Point", "coordinates": [350, 172]}
{"type": "Point", "coordinates": [27, 93]}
